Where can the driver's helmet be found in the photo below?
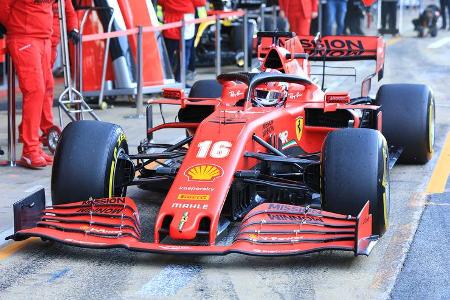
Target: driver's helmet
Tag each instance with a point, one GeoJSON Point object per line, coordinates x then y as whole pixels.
{"type": "Point", "coordinates": [271, 94]}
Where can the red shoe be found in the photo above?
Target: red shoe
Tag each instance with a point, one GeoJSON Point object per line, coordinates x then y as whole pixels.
{"type": "Point", "coordinates": [32, 161]}
{"type": "Point", "coordinates": [48, 158]}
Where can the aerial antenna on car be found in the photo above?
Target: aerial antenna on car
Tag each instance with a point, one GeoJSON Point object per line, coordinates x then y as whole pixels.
{"type": "Point", "coordinates": [317, 43]}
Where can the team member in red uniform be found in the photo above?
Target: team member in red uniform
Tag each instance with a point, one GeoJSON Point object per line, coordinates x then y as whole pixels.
{"type": "Point", "coordinates": [174, 11]}
{"type": "Point", "coordinates": [29, 26]}
{"type": "Point", "coordinates": [72, 25]}
{"type": "Point", "coordinates": [299, 14]}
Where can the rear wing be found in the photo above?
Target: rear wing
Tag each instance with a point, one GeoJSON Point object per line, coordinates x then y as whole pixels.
{"type": "Point", "coordinates": [347, 48]}
{"type": "Point", "coordinates": [266, 39]}
{"type": "Point", "coordinates": [342, 48]}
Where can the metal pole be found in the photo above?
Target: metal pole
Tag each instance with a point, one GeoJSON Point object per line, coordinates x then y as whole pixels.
{"type": "Point", "coordinates": [379, 14]}
{"type": "Point", "coordinates": [182, 54]}
{"type": "Point", "coordinates": [245, 41]}
{"type": "Point", "coordinates": [11, 112]}
{"type": "Point", "coordinates": [105, 63]}
{"type": "Point", "coordinates": [274, 17]}
{"type": "Point", "coordinates": [400, 18]}
{"type": "Point", "coordinates": [139, 73]}
{"type": "Point", "coordinates": [261, 11]}
{"type": "Point", "coordinates": [320, 17]}
{"type": "Point", "coordinates": [218, 46]}
{"type": "Point", "coordinates": [80, 51]}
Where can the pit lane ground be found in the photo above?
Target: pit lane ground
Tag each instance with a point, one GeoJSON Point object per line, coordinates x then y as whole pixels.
{"type": "Point", "coordinates": [34, 270]}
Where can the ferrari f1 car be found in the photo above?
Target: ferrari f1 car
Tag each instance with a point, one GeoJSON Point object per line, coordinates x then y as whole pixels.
{"type": "Point", "coordinates": [271, 164]}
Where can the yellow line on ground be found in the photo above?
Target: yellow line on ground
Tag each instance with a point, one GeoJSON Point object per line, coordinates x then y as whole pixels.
{"type": "Point", "coordinates": [9, 249]}
{"type": "Point", "coordinates": [441, 171]}
{"type": "Point", "coordinates": [393, 41]}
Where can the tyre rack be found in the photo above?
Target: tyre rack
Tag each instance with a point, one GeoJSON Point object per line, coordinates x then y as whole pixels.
{"type": "Point", "coordinates": [71, 101]}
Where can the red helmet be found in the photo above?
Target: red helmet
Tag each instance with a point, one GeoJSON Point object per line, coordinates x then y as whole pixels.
{"type": "Point", "coordinates": [270, 94]}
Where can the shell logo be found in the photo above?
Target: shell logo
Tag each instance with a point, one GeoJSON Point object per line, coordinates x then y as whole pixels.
{"type": "Point", "coordinates": [206, 172]}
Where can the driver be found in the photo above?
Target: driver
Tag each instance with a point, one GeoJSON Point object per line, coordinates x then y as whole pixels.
{"type": "Point", "coordinates": [271, 94]}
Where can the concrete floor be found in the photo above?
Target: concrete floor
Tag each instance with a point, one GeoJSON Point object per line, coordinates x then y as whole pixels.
{"type": "Point", "coordinates": [35, 270]}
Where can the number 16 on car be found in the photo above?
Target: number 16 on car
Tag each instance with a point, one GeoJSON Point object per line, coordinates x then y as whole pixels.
{"type": "Point", "coordinates": [219, 149]}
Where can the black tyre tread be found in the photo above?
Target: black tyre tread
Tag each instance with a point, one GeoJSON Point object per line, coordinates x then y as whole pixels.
{"type": "Point", "coordinates": [405, 109]}
{"type": "Point", "coordinates": [353, 166]}
{"type": "Point", "coordinates": [207, 88]}
{"type": "Point", "coordinates": [83, 160]}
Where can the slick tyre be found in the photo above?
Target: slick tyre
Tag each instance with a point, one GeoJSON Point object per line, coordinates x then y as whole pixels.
{"type": "Point", "coordinates": [354, 170]}
{"type": "Point", "coordinates": [207, 88]}
{"type": "Point", "coordinates": [86, 162]}
{"type": "Point", "coordinates": [408, 114]}
{"type": "Point", "coordinates": [210, 88]}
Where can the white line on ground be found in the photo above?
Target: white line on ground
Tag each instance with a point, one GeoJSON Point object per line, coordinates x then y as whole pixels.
{"type": "Point", "coordinates": [167, 282]}
{"type": "Point", "coordinates": [439, 43]}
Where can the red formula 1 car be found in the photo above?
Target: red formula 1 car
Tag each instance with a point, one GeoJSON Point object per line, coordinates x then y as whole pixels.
{"type": "Point", "coordinates": [271, 164]}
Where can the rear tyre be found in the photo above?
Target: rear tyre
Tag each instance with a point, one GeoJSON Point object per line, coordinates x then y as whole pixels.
{"type": "Point", "coordinates": [86, 162]}
{"type": "Point", "coordinates": [210, 88]}
{"type": "Point", "coordinates": [408, 120]}
{"type": "Point", "coordinates": [355, 170]}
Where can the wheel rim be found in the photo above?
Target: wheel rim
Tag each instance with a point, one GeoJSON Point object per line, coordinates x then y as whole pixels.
{"type": "Point", "coordinates": [114, 190]}
{"type": "Point", "coordinates": [52, 140]}
{"type": "Point", "coordinates": [431, 127]}
{"type": "Point", "coordinates": [386, 186]}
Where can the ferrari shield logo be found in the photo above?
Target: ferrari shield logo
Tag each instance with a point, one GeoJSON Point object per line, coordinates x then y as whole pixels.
{"type": "Point", "coordinates": [183, 220]}
{"type": "Point", "coordinates": [299, 127]}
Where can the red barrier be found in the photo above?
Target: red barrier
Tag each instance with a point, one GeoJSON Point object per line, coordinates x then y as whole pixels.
{"type": "Point", "coordinates": [216, 14]}
{"type": "Point", "coordinates": [104, 36]}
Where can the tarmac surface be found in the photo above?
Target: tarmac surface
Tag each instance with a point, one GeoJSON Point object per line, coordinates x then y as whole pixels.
{"type": "Point", "coordinates": [405, 264]}
{"type": "Point", "coordinates": [425, 274]}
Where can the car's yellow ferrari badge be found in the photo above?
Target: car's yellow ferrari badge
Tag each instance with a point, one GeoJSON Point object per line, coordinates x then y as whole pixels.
{"type": "Point", "coordinates": [299, 127]}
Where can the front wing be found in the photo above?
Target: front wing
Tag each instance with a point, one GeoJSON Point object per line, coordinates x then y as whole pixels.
{"type": "Point", "coordinates": [270, 229]}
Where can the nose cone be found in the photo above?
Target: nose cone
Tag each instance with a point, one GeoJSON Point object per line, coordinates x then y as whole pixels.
{"type": "Point", "coordinates": [186, 220]}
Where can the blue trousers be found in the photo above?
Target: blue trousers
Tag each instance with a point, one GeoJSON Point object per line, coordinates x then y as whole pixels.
{"type": "Point", "coordinates": [173, 47]}
{"type": "Point", "coordinates": [336, 10]}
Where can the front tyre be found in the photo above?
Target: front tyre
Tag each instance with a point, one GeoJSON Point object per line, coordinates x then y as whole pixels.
{"type": "Point", "coordinates": [354, 170]}
{"type": "Point", "coordinates": [87, 163]}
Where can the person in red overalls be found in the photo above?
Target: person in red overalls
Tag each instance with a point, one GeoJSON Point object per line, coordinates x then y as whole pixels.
{"type": "Point", "coordinates": [175, 11]}
{"type": "Point", "coordinates": [73, 34]}
{"type": "Point", "coordinates": [299, 14]}
{"type": "Point", "coordinates": [29, 26]}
